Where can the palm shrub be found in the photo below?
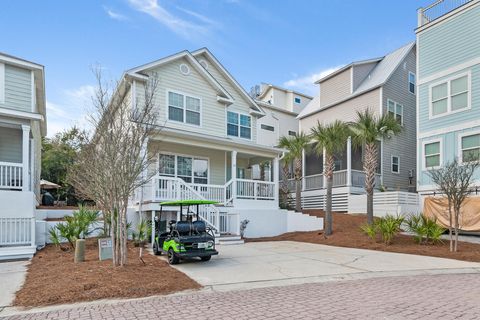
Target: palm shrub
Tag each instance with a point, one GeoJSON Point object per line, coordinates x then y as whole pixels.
{"type": "Point", "coordinates": [295, 146]}
{"type": "Point", "coordinates": [387, 227]}
{"type": "Point", "coordinates": [368, 130]}
{"type": "Point", "coordinates": [331, 139]}
{"type": "Point", "coordinates": [77, 226]}
{"type": "Point", "coordinates": [424, 229]}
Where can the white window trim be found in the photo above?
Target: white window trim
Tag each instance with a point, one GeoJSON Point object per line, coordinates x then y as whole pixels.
{"type": "Point", "coordinates": [239, 113]}
{"type": "Point", "coordinates": [395, 108]}
{"type": "Point", "coordinates": [449, 96]}
{"type": "Point", "coordinates": [186, 156]}
{"type": "Point", "coordinates": [414, 84]}
{"type": "Point", "coordinates": [184, 108]}
{"type": "Point", "coordinates": [424, 166]}
{"type": "Point", "coordinates": [459, 148]}
{"type": "Point", "coordinates": [391, 164]}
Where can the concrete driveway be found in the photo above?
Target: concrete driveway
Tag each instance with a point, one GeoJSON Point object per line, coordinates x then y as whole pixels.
{"type": "Point", "coordinates": [264, 264]}
{"type": "Point", "coordinates": [12, 276]}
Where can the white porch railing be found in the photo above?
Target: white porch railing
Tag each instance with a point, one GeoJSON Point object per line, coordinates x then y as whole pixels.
{"type": "Point", "coordinates": [229, 223]}
{"type": "Point", "coordinates": [314, 182]}
{"type": "Point", "coordinates": [210, 191]}
{"type": "Point", "coordinates": [438, 9]}
{"type": "Point", "coordinates": [340, 178]}
{"type": "Point", "coordinates": [11, 175]}
{"type": "Point", "coordinates": [17, 231]}
{"type": "Point", "coordinates": [255, 190]}
{"type": "Point", "coordinates": [358, 179]}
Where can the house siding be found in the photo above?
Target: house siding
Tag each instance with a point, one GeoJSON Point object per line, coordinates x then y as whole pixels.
{"type": "Point", "coordinates": [445, 50]}
{"type": "Point", "coordinates": [18, 88]}
{"type": "Point", "coordinates": [345, 111]}
{"type": "Point", "coordinates": [403, 145]}
{"type": "Point", "coordinates": [439, 45]}
{"type": "Point", "coordinates": [336, 88]}
{"type": "Point", "coordinates": [360, 72]}
{"type": "Point", "coordinates": [213, 113]}
{"type": "Point", "coordinates": [10, 145]}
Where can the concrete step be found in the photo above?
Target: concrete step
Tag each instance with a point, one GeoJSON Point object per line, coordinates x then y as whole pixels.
{"type": "Point", "coordinates": [230, 240]}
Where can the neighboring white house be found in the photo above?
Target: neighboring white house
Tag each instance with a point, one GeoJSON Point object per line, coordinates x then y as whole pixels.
{"type": "Point", "coordinates": [22, 126]}
{"type": "Point", "coordinates": [281, 107]}
{"type": "Point", "coordinates": [209, 147]}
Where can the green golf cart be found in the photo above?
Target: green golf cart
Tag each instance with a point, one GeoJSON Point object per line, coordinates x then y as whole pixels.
{"type": "Point", "coordinates": [188, 237]}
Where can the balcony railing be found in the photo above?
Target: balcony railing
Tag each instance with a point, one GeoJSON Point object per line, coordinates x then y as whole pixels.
{"type": "Point", "coordinates": [358, 179]}
{"type": "Point", "coordinates": [11, 175]}
{"type": "Point", "coordinates": [340, 178]}
{"type": "Point", "coordinates": [438, 9]}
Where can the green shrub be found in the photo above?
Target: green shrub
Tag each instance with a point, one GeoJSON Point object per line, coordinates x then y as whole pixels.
{"type": "Point", "coordinates": [77, 226]}
{"type": "Point", "coordinates": [370, 230]}
{"type": "Point", "coordinates": [424, 229]}
{"type": "Point", "coordinates": [387, 227]}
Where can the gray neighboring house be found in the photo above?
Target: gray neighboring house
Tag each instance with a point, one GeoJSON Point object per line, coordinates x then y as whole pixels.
{"type": "Point", "coordinates": [385, 84]}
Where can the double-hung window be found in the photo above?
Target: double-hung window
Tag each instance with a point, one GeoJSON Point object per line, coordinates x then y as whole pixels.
{"type": "Point", "coordinates": [470, 148]}
{"type": "Point", "coordinates": [450, 96]}
{"type": "Point", "coordinates": [189, 168]}
{"type": "Point", "coordinates": [183, 108]}
{"type": "Point", "coordinates": [411, 82]}
{"type": "Point", "coordinates": [395, 110]}
{"type": "Point", "coordinates": [432, 154]}
{"type": "Point", "coordinates": [395, 164]}
{"type": "Point", "coordinates": [239, 125]}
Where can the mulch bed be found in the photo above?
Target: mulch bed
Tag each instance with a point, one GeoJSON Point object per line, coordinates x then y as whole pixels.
{"type": "Point", "coordinates": [347, 233]}
{"type": "Point", "coordinates": [53, 278]}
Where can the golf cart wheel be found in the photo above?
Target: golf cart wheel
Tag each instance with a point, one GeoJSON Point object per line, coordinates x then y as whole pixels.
{"type": "Point", "coordinates": [172, 259]}
{"type": "Point", "coordinates": [156, 250]}
{"type": "Point", "coordinates": [207, 258]}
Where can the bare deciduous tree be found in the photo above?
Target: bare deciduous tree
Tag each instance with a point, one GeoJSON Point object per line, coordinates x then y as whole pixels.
{"type": "Point", "coordinates": [113, 164]}
{"type": "Point", "coordinates": [454, 180]}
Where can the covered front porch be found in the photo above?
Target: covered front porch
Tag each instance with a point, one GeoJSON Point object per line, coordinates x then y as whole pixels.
{"type": "Point", "coordinates": [348, 171]}
{"type": "Point", "coordinates": [240, 177]}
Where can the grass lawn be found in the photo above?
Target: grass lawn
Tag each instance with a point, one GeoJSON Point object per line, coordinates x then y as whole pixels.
{"type": "Point", "coordinates": [347, 233]}
{"type": "Point", "coordinates": [53, 278]}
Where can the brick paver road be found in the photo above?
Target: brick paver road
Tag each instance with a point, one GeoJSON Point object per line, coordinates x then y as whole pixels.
{"type": "Point", "coordinates": [454, 296]}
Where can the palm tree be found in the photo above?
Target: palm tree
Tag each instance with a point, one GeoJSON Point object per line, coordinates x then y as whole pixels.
{"type": "Point", "coordinates": [331, 137]}
{"type": "Point", "coordinates": [295, 146]}
{"type": "Point", "coordinates": [367, 131]}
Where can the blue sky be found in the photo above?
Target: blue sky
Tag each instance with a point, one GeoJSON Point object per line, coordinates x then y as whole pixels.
{"type": "Point", "coordinates": [287, 43]}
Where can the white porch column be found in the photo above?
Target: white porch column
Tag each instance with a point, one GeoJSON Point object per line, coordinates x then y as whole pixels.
{"type": "Point", "coordinates": [25, 157]}
{"type": "Point", "coordinates": [349, 161]}
{"type": "Point", "coordinates": [276, 178]}
{"type": "Point", "coordinates": [303, 170]}
{"type": "Point", "coordinates": [234, 174]}
{"type": "Point", "coordinates": [154, 231]}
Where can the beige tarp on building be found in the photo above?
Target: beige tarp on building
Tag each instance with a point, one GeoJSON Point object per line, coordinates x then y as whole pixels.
{"type": "Point", "coordinates": [469, 220]}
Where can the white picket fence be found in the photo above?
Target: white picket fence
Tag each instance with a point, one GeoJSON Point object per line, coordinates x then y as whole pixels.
{"type": "Point", "coordinates": [391, 202]}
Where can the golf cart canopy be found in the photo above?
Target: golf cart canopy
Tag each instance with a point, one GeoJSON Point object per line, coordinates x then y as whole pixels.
{"type": "Point", "coordinates": [187, 202]}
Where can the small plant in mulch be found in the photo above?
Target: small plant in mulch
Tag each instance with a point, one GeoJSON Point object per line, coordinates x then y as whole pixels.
{"type": "Point", "coordinates": [425, 230]}
{"type": "Point", "coordinates": [386, 228]}
{"type": "Point", "coordinates": [77, 226]}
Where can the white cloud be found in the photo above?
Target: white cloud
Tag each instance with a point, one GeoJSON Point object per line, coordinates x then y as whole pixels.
{"type": "Point", "coordinates": [183, 27]}
{"type": "Point", "coordinates": [306, 83]}
{"type": "Point", "coordinates": [74, 109]}
{"type": "Point", "coordinates": [115, 15]}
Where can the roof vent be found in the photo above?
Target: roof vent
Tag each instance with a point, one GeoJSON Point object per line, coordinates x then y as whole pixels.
{"type": "Point", "coordinates": [203, 63]}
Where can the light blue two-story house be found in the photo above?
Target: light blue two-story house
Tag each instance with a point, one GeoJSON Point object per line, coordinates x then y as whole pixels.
{"type": "Point", "coordinates": [448, 84]}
